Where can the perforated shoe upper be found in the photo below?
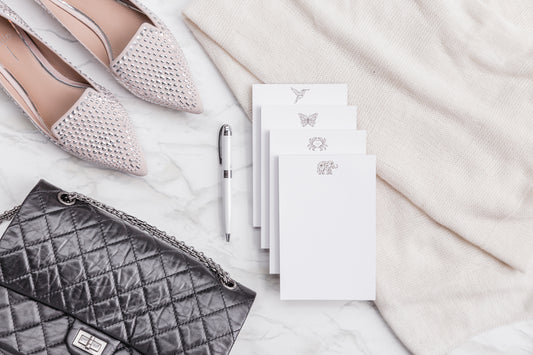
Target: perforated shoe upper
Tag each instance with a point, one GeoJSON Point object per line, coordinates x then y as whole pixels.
{"type": "Point", "coordinates": [154, 68]}
{"type": "Point", "coordinates": [98, 129]}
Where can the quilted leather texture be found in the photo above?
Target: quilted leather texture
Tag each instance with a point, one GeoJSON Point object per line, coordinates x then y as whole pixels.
{"type": "Point", "coordinates": [86, 265]}
{"type": "Point", "coordinates": [29, 327]}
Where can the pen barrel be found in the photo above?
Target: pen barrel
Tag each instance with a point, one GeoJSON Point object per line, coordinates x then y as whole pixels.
{"type": "Point", "coordinates": [227, 205]}
{"type": "Point", "coordinates": [227, 175]}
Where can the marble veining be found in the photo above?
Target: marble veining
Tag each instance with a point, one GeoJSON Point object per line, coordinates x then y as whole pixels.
{"type": "Point", "coordinates": [181, 194]}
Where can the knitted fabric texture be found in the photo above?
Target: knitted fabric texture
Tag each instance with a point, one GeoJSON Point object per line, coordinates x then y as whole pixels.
{"type": "Point", "coordinates": [444, 89]}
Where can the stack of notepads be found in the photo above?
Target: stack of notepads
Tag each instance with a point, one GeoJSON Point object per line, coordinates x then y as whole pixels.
{"type": "Point", "coordinates": [314, 192]}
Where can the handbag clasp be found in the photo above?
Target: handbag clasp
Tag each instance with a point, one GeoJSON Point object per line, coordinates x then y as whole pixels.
{"type": "Point", "coordinates": [89, 343]}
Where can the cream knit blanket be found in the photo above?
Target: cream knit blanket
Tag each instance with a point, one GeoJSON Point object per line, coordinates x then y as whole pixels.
{"type": "Point", "coordinates": [445, 91]}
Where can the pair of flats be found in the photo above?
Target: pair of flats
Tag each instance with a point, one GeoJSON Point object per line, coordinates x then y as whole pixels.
{"type": "Point", "coordinates": [67, 106]}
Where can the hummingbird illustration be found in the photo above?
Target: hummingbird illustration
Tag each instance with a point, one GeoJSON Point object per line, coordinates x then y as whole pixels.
{"type": "Point", "coordinates": [299, 94]}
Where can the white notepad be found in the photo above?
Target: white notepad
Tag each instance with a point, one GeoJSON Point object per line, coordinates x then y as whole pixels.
{"type": "Point", "coordinates": [285, 94]}
{"type": "Point", "coordinates": [304, 118]}
{"type": "Point", "coordinates": [302, 142]}
{"type": "Point", "coordinates": [327, 227]}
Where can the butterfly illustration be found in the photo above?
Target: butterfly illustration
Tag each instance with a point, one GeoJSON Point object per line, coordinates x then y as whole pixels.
{"type": "Point", "coordinates": [308, 120]}
{"type": "Point", "coordinates": [299, 94]}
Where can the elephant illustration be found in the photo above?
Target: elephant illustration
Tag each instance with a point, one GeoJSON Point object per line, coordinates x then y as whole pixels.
{"type": "Point", "coordinates": [326, 167]}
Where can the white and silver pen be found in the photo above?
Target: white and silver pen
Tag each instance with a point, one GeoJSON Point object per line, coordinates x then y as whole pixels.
{"type": "Point", "coordinates": [224, 154]}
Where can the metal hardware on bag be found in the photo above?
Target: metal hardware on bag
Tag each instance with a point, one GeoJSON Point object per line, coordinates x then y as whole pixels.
{"type": "Point", "coordinates": [89, 343]}
{"type": "Point", "coordinates": [224, 277]}
{"type": "Point", "coordinates": [65, 199]}
{"type": "Point", "coordinates": [231, 285]}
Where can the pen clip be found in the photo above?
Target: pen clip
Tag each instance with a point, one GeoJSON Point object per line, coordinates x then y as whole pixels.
{"type": "Point", "coordinates": [220, 144]}
{"type": "Point", "coordinates": [225, 130]}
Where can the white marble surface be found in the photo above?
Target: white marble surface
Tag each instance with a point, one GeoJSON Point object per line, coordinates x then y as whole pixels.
{"type": "Point", "coordinates": [181, 194]}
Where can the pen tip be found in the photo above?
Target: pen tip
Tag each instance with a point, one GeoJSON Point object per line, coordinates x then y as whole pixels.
{"type": "Point", "coordinates": [228, 236]}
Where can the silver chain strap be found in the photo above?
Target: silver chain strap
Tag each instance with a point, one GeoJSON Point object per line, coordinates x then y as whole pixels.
{"type": "Point", "coordinates": [8, 215]}
{"type": "Point", "coordinates": [71, 198]}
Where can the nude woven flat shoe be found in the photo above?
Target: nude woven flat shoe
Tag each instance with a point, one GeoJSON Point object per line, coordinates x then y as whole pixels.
{"type": "Point", "coordinates": [67, 107]}
{"type": "Point", "coordinates": [134, 45]}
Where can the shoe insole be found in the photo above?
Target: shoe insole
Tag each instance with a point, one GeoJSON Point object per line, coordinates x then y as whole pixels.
{"type": "Point", "coordinates": [114, 21]}
{"type": "Point", "coordinates": [39, 78]}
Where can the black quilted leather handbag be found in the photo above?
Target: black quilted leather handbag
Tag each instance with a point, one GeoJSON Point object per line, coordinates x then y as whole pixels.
{"type": "Point", "coordinates": [79, 277]}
